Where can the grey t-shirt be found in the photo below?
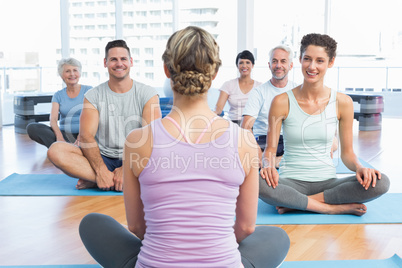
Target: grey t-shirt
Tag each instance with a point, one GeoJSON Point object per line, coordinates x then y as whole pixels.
{"type": "Point", "coordinates": [119, 113]}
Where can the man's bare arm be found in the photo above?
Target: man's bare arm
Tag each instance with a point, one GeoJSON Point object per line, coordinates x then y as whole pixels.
{"type": "Point", "coordinates": [89, 122]}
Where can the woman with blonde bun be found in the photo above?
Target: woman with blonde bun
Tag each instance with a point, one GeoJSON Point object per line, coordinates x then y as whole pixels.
{"type": "Point", "coordinates": [190, 181]}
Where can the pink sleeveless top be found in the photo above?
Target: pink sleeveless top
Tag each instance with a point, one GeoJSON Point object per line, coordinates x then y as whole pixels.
{"type": "Point", "coordinates": [189, 193]}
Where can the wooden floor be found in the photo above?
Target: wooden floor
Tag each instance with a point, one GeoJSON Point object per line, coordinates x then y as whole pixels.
{"type": "Point", "coordinates": [43, 230]}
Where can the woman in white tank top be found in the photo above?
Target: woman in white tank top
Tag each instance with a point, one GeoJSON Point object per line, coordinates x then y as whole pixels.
{"type": "Point", "coordinates": [310, 115]}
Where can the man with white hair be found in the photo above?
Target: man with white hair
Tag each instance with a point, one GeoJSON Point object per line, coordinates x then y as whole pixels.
{"type": "Point", "coordinates": [255, 113]}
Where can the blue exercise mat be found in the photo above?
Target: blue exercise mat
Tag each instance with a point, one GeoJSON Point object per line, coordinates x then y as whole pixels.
{"type": "Point", "coordinates": [63, 185]}
{"type": "Point", "coordinates": [393, 262]}
{"type": "Point", "coordinates": [385, 209]}
{"type": "Point", "coordinates": [45, 185]}
{"type": "Point", "coordinates": [56, 266]}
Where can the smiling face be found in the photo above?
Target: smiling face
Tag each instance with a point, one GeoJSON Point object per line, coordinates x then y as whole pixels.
{"type": "Point", "coordinates": [245, 66]}
{"type": "Point", "coordinates": [280, 64]}
{"type": "Point", "coordinates": [315, 62]}
{"type": "Point", "coordinates": [70, 75]}
{"type": "Point", "coordinates": [118, 63]}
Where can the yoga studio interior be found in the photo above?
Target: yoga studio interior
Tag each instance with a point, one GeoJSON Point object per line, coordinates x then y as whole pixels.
{"type": "Point", "coordinates": [41, 210]}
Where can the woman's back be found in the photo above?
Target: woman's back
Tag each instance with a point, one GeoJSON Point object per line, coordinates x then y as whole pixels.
{"type": "Point", "coordinates": [189, 192]}
{"type": "Point", "coordinates": [190, 181]}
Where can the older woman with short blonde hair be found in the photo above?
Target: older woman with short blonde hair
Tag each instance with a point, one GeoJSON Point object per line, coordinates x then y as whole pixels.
{"type": "Point", "coordinates": [66, 107]}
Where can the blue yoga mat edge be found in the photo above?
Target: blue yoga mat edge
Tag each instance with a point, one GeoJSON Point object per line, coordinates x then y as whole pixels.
{"type": "Point", "coordinates": [385, 209]}
{"type": "Point", "coordinates": [41, 185]}
{"type": "Point", "coordinates": [37, 184]}
{"type": "Point", "coordinates": [394, 261]}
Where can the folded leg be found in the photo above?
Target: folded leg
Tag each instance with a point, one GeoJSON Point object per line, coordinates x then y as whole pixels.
{"type": "Point", "coordinates": [108, 242]}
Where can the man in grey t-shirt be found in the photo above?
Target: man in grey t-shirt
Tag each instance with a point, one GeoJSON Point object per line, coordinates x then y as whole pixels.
{"type": "Point", "coordinates": [111, 110]}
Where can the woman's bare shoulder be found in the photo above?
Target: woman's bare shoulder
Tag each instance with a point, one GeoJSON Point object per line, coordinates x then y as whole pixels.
{"type": "Point", "coordinates": [247, 137]}
{"type": "Point", "coordinates": [138, 137]}
{"type": "Point", "coordinates": [282, 97]}
{"type": "Point", "coordinates": [343, 99]}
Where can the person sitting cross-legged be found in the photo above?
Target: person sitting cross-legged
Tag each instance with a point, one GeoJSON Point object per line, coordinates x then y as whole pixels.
{"type": "Point", "coordinates": [310, 115]}
{"type": "Point", "coordinates": [190, 181]}
{"type": "Point", "coordinates": [111, 110]}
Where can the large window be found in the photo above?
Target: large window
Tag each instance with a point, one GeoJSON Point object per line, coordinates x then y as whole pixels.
{"type": "Point", "coordinates": [283, 22]}
{"type": "Point", "coordinates": [155, 21]}
{"type": "Point", "coordinates": [369, 41]}
{"type": "Point", "coordinates": [30, 37]}
{"type": "Point", "coordinates": [368, 33]}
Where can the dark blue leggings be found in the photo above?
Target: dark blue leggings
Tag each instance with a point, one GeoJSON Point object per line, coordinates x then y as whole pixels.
{"type": "Point", "coordinates": [112, 245]}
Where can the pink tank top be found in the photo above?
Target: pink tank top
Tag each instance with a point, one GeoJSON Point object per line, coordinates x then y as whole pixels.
{"type": "Point", "coordinates": [189, 193]}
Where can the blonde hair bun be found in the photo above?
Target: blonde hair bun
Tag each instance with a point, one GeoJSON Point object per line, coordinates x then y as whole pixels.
{"type": "Point", "coordinates": [192, 58]}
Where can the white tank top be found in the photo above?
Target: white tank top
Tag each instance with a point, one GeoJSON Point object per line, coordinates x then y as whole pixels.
{"type": "Point", "coordinates": [308, 140]}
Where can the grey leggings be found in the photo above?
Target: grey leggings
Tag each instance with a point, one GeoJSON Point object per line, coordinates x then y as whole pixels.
{"type": "Point", "coordinates": [293, 194]}
{"type": "Point", "coordinates": [44, 134]}
{"type": "Point", "coordinates": [112, 245]}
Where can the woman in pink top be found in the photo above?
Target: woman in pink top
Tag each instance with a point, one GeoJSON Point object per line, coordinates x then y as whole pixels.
{"type": "Point", "coordinates": [236, 91]}
{"type": "Point", "coordinates": [190, 181]}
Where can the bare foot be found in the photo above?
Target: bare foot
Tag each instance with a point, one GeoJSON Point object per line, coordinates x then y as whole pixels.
{"type": "Point", "coordinates": [316, 204]}
{"type": "Point", "coordinates": [83, 184]}
{"type": "Point", "coordinates": [283, 210]}
{"type": "Point", "coordinates": [354, 209]}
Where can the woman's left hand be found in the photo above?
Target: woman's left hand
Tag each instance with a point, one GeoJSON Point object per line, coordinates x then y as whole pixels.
{"type": "Point", "coordinates": [367, 176]}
